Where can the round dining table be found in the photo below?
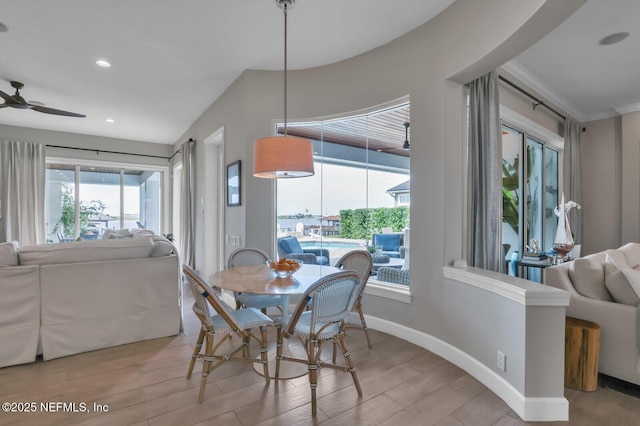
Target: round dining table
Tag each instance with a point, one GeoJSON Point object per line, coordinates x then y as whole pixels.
{"type": "Point", "coordinates": [259, 279]}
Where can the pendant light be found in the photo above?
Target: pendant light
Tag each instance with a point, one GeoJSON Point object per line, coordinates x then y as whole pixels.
{"type": "Point", "coordinates": [406, 145]}
{"type": "Point", "coordinates": [283, 156]}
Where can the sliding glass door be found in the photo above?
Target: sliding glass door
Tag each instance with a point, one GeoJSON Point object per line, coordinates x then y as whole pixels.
{"type": "Point", "coordinates": [529, 194]}
{"type": "Point", "coordinates": [82, 201]}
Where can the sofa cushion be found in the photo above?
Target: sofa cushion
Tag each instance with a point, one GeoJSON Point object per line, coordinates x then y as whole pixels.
{"type": "Point", "coordinates": [632, 254]}
{"type": "Point", "coordinates": [587, 276]}
{"type": "Point", "coordinates": [163, 247]}
{"type": "Point", "coordinates": [624, 286]}
{"type": "Point", "coordinates": [86, 251]}
{"type": "Point", "coordinates": [9, 254]}
{"type": "Point", "coordinates": [614, 260]}
{"type": "Point", "coordinates": [116, 234]}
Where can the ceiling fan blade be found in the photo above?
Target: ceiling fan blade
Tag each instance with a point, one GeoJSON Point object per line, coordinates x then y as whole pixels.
{"type": "Point", "coordinates": [3, 105]}
{"type": "Point", "coordinates": [5, 96]}
{"type": "Point", "coordinates": [53, 111]}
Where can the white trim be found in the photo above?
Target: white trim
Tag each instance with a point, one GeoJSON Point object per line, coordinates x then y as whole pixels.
{"type": "Point", "coordinates": [106, 163]}
{"type": "Point", "coordinates": [400, 293]}
{"type": "Point", "coordinates": [551, 139]}
{"type": "Point", "coordinates": [626, 109]}
{"type": "Point", "coordinates": [529, 409]}
{"type": "Point", "coordinates": [517, 289]}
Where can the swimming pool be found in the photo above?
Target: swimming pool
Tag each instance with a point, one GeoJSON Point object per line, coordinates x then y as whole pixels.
{"type": "Point", "coordinates": [330, 245]}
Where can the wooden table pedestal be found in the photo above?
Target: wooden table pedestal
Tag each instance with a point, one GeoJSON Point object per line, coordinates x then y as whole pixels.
{"type": "Point", "coordinates": [581, 353]}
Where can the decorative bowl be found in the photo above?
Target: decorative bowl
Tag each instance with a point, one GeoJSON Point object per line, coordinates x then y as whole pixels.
{"type": "Point", "coordinates": [284, 267]}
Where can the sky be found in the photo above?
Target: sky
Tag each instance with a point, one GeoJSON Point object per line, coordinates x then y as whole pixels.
{"type": "Point", "coordinates": [110, 196]}
{"type": "Point", "coordinates": [334, 188]}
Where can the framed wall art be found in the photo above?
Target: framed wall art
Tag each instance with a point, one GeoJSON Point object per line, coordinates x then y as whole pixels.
{"type": "Point", "coordinates": [233, 184]}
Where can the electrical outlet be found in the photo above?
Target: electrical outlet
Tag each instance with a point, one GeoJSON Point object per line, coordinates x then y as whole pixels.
{"type": "Point", "coordinates": [502, 361]}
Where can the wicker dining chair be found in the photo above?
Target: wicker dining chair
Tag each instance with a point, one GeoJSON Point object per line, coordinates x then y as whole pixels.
{"type": "Point", "coordinates": [249, 257]}
{"type": "Point", "coordinates": [331, 301]}
{"type": "Point", "coordinates": [361, 262]}
{"type": "Point", "coordinates": [225, 323]}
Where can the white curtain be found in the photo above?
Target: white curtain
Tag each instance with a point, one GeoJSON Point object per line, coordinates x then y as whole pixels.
{"type": "Point", "coordinates": [187, 208]}
{"type": "Point", "coordinates": [22, 179]}
{"type": "Point", "coordinates": [572, 174]}
{"type": "Point", "coordinates": [485, 186]}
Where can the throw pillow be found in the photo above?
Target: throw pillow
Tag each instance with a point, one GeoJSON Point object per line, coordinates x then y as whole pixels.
{"type": "Point", "coordinates": [615, 259]}
{"type": "Point", "coordinates": [619, 284]}
{"type": "Point", "coordinates": [632, 254]}
{"type": "Point", "coordinates": [163, 247]}
{"type": "Point", "coordinates": [9, 254]}
{"type": "Point", "coordinates": [587, 277]}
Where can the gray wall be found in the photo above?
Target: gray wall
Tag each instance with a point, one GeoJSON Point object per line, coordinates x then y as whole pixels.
{"type": "Point", "coordinates": [611, 182]}
{"type": "Point", "coordinates": [429, 64]}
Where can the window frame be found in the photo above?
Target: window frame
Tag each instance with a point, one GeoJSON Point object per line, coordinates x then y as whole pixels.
{"type": "Point", "coordinates": [164, 179]}
{"type": "Point", "coordinates": [374, 287]}
{"type": "Point", "coordinates": [530, 130]}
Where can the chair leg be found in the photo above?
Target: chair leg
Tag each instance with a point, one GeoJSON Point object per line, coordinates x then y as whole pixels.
{"type": "Point", "coordinates": [206, 366]}
{"type": "Point", "coordinates": [363, 323]}
{"type": "Point", "coordinates": [246, 343]}
{"type": "Point", "coordinates": [313, 372]}
{"type": "Point", "coordinates": [263, 352]}
{"type": "Point", "coordinates": [278, 352]}
{"type": "Point", "coordinates": [347, 358]}
{"type": "Point", "coordinates": [196, 352]}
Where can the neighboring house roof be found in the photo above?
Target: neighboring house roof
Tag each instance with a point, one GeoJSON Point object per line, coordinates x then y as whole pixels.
{"type": "Point", "coordinates": [403, 187]}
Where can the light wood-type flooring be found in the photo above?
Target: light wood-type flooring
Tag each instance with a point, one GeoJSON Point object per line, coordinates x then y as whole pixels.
{"type": "Point", "coordinates": [145, 383]}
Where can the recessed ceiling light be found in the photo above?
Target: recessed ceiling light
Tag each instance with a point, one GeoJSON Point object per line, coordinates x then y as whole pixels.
{"type": "Point", "coordinates": [102, 63]}
{"type": "Point", "coordinates": [3, 28]}
{"type": "Point", "coordinates": [613, 38]}
{"type": "Point", "coordinates": [110, 120]}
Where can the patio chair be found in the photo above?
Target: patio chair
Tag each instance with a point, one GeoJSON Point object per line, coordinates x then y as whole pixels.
{"type": "Point", "coordinates": [290, 248]}
{"type": "Point", "coordinates": [248, 257]}
{"type": "Point", "coordinates": [331, 301]}
{"type": "Point", "coordinates": [225, 323]}
{"type": "Point", "coordinates": [393, 275]}
{"type": "Point", "coordinates": [391, 244]}
{"type": "Point", "coordinates": [359, 261]}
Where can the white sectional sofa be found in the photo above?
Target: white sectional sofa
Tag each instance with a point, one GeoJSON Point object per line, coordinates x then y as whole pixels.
{"type": "Point", "coordinates": [605, 289]}
{"type": "Point", "coordinates": [63, 299]}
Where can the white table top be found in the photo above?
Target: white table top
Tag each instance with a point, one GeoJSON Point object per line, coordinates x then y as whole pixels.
{"type": "Point", "coordinates": [259, 279]}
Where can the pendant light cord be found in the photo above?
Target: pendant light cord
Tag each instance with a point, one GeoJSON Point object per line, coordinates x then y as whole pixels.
{"type": "Point", "coordinates": [285, 68]}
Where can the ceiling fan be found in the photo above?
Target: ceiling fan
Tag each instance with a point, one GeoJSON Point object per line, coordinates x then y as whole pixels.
{"type": "Point", "coordinates": [17, 101]}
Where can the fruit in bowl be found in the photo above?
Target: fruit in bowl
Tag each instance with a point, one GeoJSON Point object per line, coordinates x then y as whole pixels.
{"type": "Point", "coordinates": [284, 267]}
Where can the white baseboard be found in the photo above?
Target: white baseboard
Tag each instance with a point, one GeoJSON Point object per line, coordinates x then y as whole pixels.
{"type": "Point", "coordinates": [529, 409]}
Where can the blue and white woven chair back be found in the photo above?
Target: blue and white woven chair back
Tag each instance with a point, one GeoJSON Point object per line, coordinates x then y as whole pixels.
{"type": "Point", "coordinates": [247, 257]}
{"type": "Point", "coordinates": [359, 261]}
{"type": "Point", "coordinates": [200, 304]}
{"type": "Point", "coordinates": [332, 298]}
{"type": "Point", "coordinates": [201, 290]}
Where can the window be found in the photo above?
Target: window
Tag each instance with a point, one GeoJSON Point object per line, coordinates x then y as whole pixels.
{"type": "Point", "coordinates": [360, 187]}
{"type": "Point", "coordinates": [530, 182]}
{"type": "Point", "coordinates": [83, 200]}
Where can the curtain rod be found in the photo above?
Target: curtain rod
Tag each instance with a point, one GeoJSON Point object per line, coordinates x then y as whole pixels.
{"type": "Point", "coordinates": [180, 149]}
{"type": "Point", "coordinates": [98, 151]}
{"type": "Point", "coordinates": [537, 103]}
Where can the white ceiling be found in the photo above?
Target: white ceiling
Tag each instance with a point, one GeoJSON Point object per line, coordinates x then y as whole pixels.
{"type": "Point", "coordinates": [172, 59]}
{"type": "Point", "coordinates": [587, 80]}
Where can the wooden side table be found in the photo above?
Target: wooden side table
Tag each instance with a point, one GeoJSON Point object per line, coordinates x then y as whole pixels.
{"type": "Point", "coordinates": [581, 354]}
